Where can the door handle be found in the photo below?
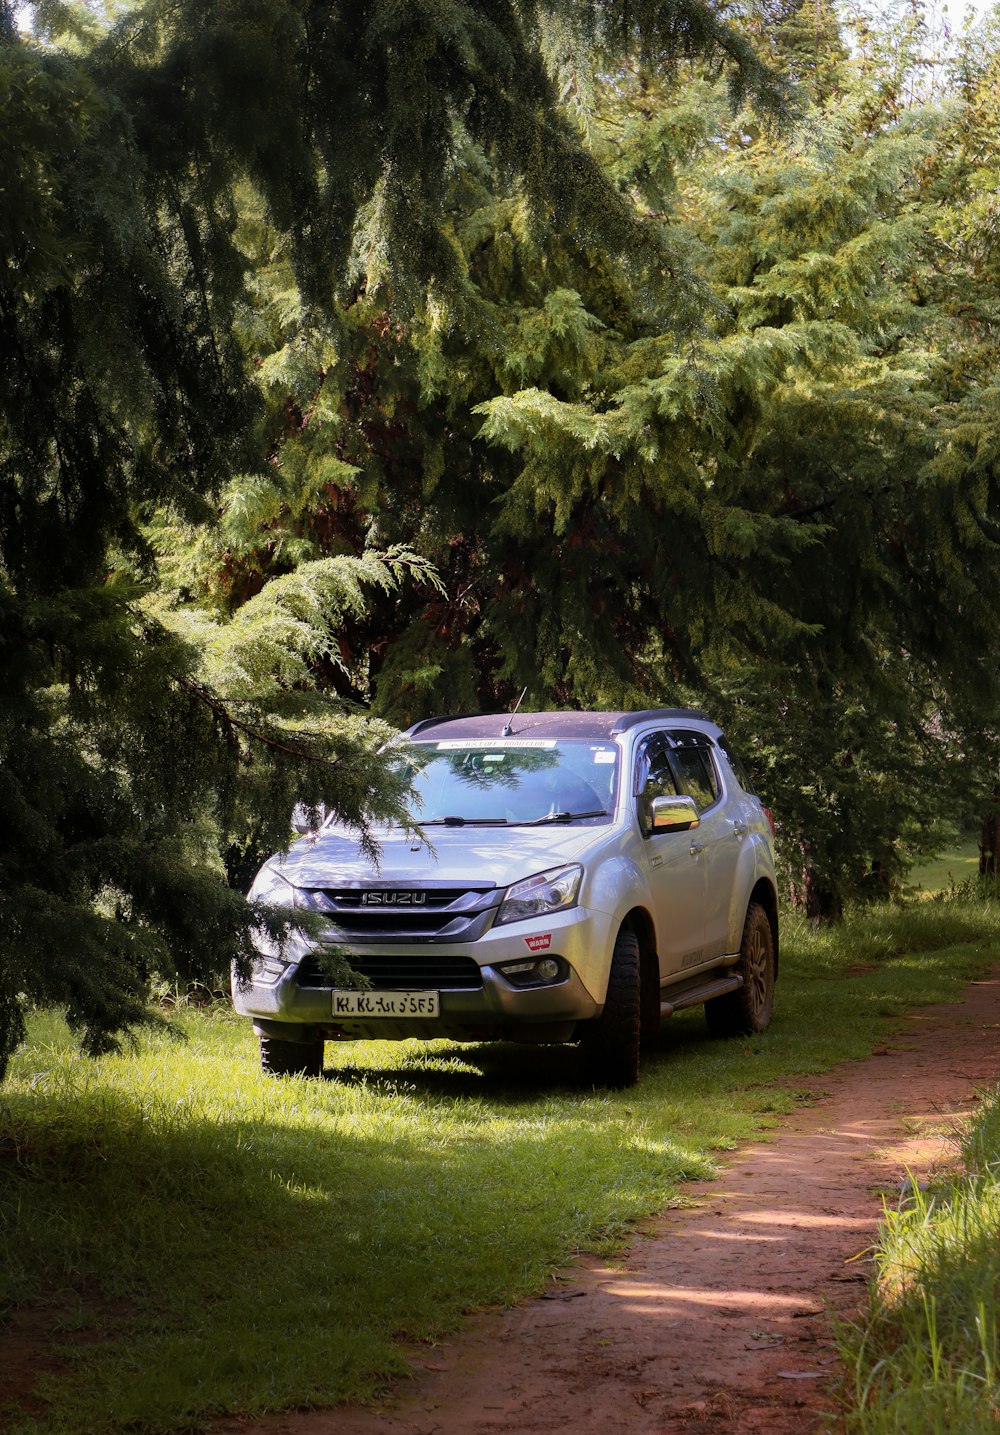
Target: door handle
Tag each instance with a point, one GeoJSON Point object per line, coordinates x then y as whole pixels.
{"type": "Point", "coordinates": [740, 829]}
{"type": "Point", "coordinates": [696, 847]}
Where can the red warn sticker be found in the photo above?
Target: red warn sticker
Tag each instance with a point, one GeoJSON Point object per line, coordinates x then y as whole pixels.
{"type": "Point", "coordinates": [539, 944]}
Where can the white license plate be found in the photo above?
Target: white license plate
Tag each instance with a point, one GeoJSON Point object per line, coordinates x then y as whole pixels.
{"type": "Point", "coordinates": [387, 1003]}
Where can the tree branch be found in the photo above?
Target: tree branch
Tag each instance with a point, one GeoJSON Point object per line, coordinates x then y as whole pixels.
{"type": "Point", "coordinates": [218, 707]}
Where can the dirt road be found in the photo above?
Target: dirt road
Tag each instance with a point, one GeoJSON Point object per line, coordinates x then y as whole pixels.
{"type": "Point", "coordinates": [719, 1318]}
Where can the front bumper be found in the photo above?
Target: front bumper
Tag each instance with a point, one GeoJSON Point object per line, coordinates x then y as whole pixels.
{"type": "Point", "coordinates": [498, 1009]}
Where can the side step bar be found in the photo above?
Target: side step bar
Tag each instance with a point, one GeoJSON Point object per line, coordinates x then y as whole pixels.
{"type": "Point", "coordinates": [718, 988]}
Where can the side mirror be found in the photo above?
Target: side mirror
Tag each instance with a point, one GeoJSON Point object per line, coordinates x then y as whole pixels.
{"type": "Point", "coordinates": [307, 819]}
{"type": "Point", "coordinates": [672, 814]}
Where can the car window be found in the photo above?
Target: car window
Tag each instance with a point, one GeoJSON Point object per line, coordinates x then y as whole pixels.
{"type": "Point", "coordinates": [654, 778]}
{"type": "Point", "coordinates": [736, 763]}
{"type": "Point", "coordinates": [696, 775]}
{"type": "Point", "coordinates": [509, 780]}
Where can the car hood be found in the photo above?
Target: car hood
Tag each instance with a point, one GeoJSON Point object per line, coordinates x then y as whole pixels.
{"type": "Point", "coordinates": [462, 855]}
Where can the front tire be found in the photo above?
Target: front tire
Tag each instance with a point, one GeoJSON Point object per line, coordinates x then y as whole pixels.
{"type": "Point", "coordinates": [611, 1042]}
{"type": "Point", "coordinates": [291, 1058]}
{"type": "Point", "coordinates": [748, 1011]}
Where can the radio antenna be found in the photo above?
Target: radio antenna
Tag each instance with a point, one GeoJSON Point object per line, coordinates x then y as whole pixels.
{"type": "Point", "coordinates": [505, 730]}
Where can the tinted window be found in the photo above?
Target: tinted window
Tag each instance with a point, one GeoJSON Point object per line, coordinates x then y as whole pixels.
{"type": "Point", "coordinates": [696, 773]}
{"type": "Point", "coordinates": [736, 763]}
{"type": "Point", "coordinates": [654, 778]}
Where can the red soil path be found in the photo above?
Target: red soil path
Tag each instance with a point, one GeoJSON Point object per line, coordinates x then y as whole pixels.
{"type": "Point", "coordinates": [719, 1318]}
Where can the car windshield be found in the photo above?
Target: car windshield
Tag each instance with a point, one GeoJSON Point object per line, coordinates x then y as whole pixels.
{"type": "Point", "coordinates": [512, 780]}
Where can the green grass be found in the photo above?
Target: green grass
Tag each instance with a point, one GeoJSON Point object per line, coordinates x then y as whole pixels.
{"type": "Point", "coordinates": [941, 873]}
{"type": "Point", "coordinates": [926, 1357]}
{"type": "Point", "coordinates": [240, 1243]}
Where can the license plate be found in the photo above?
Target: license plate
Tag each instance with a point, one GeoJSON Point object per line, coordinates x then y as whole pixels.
{"type": "Point", "coordinates": [387, 1004]}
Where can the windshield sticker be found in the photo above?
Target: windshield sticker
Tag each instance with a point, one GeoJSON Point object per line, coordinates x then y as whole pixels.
{"type": "Point", "coordinates": [604, 757]}
{"type": "Point", "coordinates": [539, 944]}
{"type": "Point", "coordinates": [474, 744]}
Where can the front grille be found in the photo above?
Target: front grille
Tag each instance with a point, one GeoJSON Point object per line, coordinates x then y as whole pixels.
{"type": "Point", "coordinates": [402, 971]}
{"type": "Point", "coordinates": [380, 913]}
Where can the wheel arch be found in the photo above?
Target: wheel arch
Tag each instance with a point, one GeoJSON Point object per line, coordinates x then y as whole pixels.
{"type": "Point", "coordinates": [765, 896]}
{"type": "Point", "coordinates": [640, 922]}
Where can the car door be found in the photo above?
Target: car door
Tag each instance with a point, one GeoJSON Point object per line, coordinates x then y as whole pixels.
{"type": "Point", "coordinates": [674, 867]}
{"type": "Point", "coordinates": [718, 835]}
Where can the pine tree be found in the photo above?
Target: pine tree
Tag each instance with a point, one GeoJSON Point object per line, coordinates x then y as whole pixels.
{"type": "Point", "coordinates": [885, 695]}
{"type": "Point", "coordinates": [725, 486]}
{"type": "Point", "coordinates": [964, 282]}
{"type": "Point", "coordinates": [773, 500]}
{"type": "Point", "coordinates": [157, 725]}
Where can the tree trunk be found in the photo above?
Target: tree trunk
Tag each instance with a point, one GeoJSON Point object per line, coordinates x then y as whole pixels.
{"type": "Point", "coordinates": [810, 895]}
{"type": "Point", "coordinates": [988, 840]}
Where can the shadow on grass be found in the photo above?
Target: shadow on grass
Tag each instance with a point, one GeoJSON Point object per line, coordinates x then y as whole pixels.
{"type": "Point", "coordinates": [508, 1073]}
{"type": "Point", "coordinates": [277, 1259]}
{"type": "Point", "coordinates": [277, 1239]}
{"type": "Point", "coordinates": [504, 1071]}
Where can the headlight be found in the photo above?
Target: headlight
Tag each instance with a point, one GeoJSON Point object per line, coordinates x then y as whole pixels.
{"type": "Point", "coordinates": [270, 886]}
{"type": "Point", "coordinates": [541, 895]}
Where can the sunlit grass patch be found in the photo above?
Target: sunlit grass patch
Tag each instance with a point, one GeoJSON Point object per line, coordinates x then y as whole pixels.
{"type": "Point", "coordinates": [945, 871]}
{"type": "Point", "coordinates": [927, 1357]}
{"type": "Point", "coordinates": [274, 1243]}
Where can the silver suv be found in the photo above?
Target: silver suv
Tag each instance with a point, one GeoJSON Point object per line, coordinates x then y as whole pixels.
{"type": "Point", "coordinates": [579, 877]}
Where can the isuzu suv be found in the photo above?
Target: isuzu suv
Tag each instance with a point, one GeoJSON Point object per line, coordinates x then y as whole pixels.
{"type": "Point", "coordinates": [577, 876]}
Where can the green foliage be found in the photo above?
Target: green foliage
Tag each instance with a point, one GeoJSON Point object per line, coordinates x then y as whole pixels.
{"type": "Point", "coordinates": [105, 771]}
{"type": "Point", "coordinates": [126, 769]}
{"type": "Point", "coordinates": [772, 515]}
{"type": "Point", "coordinates": [386, 359]}
{"type": "Point", "coordinates": [221, 226]}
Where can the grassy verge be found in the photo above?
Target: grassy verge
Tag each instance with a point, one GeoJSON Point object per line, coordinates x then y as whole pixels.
{"type": "Point", "coordinates": [947, 870]}
{"type": "Point", "coordinates": [926, 1358]}
{"type": "Point", "coordinates": [211, 1240]}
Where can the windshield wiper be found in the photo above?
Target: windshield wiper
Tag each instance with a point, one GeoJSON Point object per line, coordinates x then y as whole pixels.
{"type": "Point", "coordinates": [462, 822]}
{"type": "Point", "coordinates": [561, 817]}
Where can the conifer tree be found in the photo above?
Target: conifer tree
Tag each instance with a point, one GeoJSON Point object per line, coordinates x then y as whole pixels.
{"type": "Point", "coordinates": [150, 741]}
{"type": "Point", "coordinates": [962, 283]}
{"type": "Point", "coordinates": [844, 530]}
{"type": "Point", "coordinates": [752, 489]}
{"type": "Point", "coordinates": [726, 487]}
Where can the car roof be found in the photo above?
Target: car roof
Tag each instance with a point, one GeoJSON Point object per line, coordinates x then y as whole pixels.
{"type": "Point", "coordinates": [554, 724]}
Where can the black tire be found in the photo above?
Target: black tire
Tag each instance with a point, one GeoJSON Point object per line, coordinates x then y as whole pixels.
{"type": "Point", "coordinates": [744, 1012]}
{"type": "Point", "coordinates": [650, 1023]}
{"type": "Point", "coordinates": [611, 1042]}
{"type": "Point", "coordinates": [291, 1058]}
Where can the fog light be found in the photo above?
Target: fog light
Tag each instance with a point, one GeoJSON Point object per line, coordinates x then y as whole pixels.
{"type": "Point", "coordinates": [533, 971]}
{"type": "Point", "coordinates": [265, 971]}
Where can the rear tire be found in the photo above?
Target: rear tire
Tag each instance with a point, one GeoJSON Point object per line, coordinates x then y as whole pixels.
{"type": "Point", "coordinates": [747, 1011]}
{"type": "Point", "coordinates": [611, 1042]}
{"type": "Point", "coordinates": [291, 1058]}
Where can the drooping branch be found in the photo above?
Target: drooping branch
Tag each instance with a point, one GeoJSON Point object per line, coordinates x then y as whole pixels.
{"type": "Point", "coordinates": [219, 708]}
